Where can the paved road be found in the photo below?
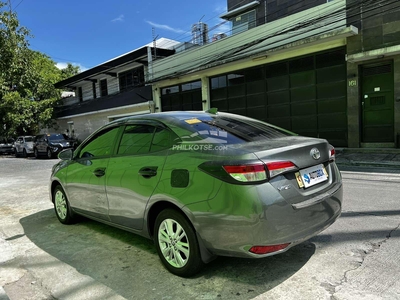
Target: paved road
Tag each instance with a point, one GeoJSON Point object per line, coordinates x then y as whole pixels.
{"type": "Point", "coordinates": [356, 258]}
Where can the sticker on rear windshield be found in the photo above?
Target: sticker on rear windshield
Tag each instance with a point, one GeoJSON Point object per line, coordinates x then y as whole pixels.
{"type": "Point", "coordinates": [193, 121]}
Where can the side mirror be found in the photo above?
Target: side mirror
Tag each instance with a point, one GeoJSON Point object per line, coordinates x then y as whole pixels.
{"type": "Point", "coordinates": [66, 154]}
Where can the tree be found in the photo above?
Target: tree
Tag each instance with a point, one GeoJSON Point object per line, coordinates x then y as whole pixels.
{"type": "Point", "coordinates": [14, 52]}
{"type": "Point", "coordinates": [69, 71]}
{"type": "Point", "coordinates": [23, 116]}
{"type": "Point", "coordinates": [27, 78]}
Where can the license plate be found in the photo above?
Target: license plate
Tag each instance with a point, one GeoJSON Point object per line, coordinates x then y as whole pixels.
{"type": "Point", "coordinates": [311, 176]}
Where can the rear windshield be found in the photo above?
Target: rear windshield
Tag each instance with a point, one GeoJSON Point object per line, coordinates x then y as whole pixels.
{"type": "Point", "coordinates": [227, 129]}
{"type": "Point", "coordinates": [28, 139]}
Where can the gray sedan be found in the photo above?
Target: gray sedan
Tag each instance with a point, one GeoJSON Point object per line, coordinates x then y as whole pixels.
{"type": "Point", "coordinates": [201, 185]}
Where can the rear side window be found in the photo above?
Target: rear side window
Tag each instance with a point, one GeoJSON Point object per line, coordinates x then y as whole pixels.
{"type": "Point", "coordinates": [141, 139]}
{"type": "Point", "coordinates": [101, 144]}
{"type": "Point", "coordinates": [136, 139]}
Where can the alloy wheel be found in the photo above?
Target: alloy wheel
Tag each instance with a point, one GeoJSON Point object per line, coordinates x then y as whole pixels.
{"type": "Point", "coordinates": [60, 203]}
{"type": "Point", "coordinates": [174, 243]}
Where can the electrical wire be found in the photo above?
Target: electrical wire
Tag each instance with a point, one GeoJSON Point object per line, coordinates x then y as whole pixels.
{"type": "Point", "coordinates": [300, 25]}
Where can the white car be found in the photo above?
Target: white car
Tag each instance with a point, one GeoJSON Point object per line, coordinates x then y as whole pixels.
{"type": "Point", "coordinates": [23, 146]}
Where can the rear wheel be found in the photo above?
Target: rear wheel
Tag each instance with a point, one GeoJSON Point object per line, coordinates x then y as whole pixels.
{"type": "Point", "coordinates": [49, 153]}
{"type": "Point", "coordinates": [61, 206]}
{"type": "Point", "coordinates": [177, 244]}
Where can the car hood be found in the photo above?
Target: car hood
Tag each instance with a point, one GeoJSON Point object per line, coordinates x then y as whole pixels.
{"type": "Point", "coordinates": [62, 143]}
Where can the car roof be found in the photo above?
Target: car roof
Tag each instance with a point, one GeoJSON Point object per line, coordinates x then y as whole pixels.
{"type": "Point", "coordinates": [170, 116]}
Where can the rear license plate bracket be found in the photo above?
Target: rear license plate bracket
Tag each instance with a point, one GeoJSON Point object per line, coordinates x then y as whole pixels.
{"type": "Point", "coordinates": [311, 176]}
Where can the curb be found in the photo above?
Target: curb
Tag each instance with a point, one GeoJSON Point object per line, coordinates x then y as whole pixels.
{"type": "Point", "coordinates": [387, 165]}
{"type": "Point", "coordinates": [3, 295]}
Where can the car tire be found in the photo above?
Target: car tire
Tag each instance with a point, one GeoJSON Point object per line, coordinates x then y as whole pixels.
{"type": "Point", "coordinates": [16, 153]}
{"type": "Point", "coordinates": [36, 153]}
{"type": "Point", "coordinates": [61, 206]}
{"type": "Point", "coordinates": [24, 154]}
{"type": "Point", "coordinates": [180, 255]}
{"type": "Point", "coordinates": [49, 154]}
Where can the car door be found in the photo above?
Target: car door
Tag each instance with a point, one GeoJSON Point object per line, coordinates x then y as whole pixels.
{"type": "Point", "coordinates": [134, 172]}
{"type": "Point", "coordinates": [39, 143]}
{"type": "Point", "coordinates": [85, 183]}
{"type": "Point", "coordinates": [17, 144]}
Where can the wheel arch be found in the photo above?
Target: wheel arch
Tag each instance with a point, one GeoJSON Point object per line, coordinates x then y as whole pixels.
{"type": "Point", "coordinates": [159, 206]}
{"type": "Point", "coordinates": [53, 185]}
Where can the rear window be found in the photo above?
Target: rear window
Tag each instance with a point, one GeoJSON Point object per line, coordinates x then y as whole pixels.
{"type": "Point", "coordinates": [28, 139]}
{"type": "Point", "coordinates": [226, 129]}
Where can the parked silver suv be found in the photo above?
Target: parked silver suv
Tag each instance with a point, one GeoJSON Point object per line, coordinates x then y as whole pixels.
{"type": "Point", "coordinates": [23, 146]}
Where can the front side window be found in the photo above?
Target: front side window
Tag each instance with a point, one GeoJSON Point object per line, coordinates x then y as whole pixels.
{"type": "Point", "coordinates": [101, 144]}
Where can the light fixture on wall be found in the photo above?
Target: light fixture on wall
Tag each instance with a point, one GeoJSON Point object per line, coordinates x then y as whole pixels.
{"type": "Point", "coordinates": [262, 57]}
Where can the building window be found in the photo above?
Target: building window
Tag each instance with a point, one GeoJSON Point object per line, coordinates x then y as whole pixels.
{"type": "Point", "coordinates": [80, 94]}
{"type": "Point", "coordinates": [191, 86]}
{"type": "Point", "coordinates": [244, 22]}
{"type": "Point", "coordinates": [170, 90]}
{"type": "Point", "coordinates": [94, 90]}
{"type": "Point", "coordinates": [103, 88]}
{"type": "Point", "coordinates": [131, 78]}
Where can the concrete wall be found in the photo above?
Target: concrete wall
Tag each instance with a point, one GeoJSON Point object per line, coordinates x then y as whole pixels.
{"type": "Point", "coordinates": [353, 106]}
{"type": "Point", "coordinates": [85, 124]}
{"type": "Point", "coordinates": [378, 40]}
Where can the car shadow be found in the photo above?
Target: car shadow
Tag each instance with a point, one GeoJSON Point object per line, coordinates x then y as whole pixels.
{"type": "Point", "coordinates": [129, 264]}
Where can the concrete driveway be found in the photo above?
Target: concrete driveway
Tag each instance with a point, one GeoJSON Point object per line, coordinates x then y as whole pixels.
{"type": "Point", "coordinates": [356, 258]}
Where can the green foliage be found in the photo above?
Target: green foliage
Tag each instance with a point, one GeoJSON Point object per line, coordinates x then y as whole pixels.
{"type": "Point", "coordinates": [69, 71]}
{"type": "Point", "coordinates": [27, 78]}
{"type": "Point", "coordinates": [23, 116]}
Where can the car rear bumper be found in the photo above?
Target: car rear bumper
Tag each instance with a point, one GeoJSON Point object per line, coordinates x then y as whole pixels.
{"type": "Point", "coordinates": [269, 221]}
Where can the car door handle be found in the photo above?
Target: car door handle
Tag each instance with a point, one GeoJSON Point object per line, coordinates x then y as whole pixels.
{"type": "Point", "coordinates": [99, 172]}
{"type": "Point", "coordinates": [148, 172]}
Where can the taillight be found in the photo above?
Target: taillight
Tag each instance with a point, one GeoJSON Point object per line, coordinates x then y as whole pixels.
{"type": "Point", "coordinates": [247, 173]}
{"type": "Point", "coordinates": [268, 249]}
{"type": "Point", "coordinates": [279, 167]}
{"type": "Point", "coordinates": [331, 153]}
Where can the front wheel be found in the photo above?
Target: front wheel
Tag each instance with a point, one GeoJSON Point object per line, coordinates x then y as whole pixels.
{"type": "Point", "coordinates": [177, 244]}
{"type": "Point", "coordinates": [24, 154]}
{"type": "Point", "coordinates": [16, 152]}
{"type": "Point", "coordinates": [61, 206]}
{"type": "Point", "coordinates": [36, 153]}
{"type": "Point", "coordinates": [49, 153]}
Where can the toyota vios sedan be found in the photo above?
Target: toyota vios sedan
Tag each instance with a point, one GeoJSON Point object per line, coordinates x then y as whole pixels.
{"type": "Point", "coordinates": [201, 185]}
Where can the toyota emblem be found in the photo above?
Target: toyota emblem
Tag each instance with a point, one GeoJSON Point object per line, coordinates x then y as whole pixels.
{"type": "Point", "coordinates": [315, 153]}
